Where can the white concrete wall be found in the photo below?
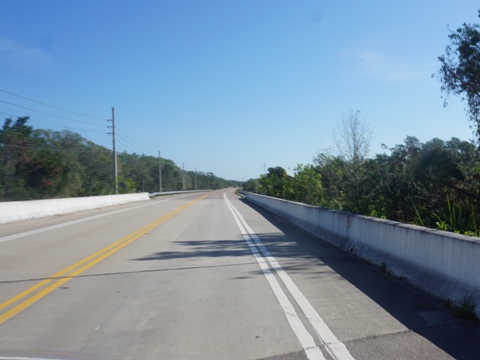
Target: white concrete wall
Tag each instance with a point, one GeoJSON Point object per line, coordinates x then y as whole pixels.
{"type": "Point", "coordinates": [13, 211]}
{"type": "Point", "coordinates": [442, 263]}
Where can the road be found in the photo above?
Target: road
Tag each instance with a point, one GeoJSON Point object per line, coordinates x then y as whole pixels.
{"type": "Point", "coordinates": [207, 276]}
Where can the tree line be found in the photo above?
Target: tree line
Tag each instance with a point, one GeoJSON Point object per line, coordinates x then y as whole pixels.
{"type": "Point", "coordinates": [42, 164]}
{"type": "Point", "coordinates": [434, 184]}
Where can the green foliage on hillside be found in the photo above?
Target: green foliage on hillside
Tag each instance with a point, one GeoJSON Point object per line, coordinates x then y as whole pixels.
{"type": "Point", "coordinates": [42, 164]}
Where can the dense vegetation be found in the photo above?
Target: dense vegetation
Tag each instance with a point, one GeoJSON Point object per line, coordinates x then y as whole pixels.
{"type": "Point", "coordinates": [435, 184]}
{"type": "Point", "coordinates": [40, 164]}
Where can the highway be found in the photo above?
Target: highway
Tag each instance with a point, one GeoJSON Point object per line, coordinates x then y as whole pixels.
{"type": "Point", "coordinates": [206, 276]}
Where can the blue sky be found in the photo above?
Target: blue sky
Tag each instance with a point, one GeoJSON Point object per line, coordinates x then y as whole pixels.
{"type": "Point", "coordinates": [228, 86]}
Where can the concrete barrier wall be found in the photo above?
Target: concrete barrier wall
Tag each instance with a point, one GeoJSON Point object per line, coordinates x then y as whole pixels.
{"type": "Point", "coordinates": [442, 263]}
{"type": "Point", "coordinates": [13, 211]}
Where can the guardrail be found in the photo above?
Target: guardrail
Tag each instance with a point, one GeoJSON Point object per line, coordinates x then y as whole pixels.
{"type": "Point", "coordinates": [442, 263]}
{"type": "Point", "coordinates": [13, 211]}
{"type": "Point", "coordinates": [175, 192]}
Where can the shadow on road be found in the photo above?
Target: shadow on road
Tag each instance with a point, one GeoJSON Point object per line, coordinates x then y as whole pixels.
{"type": "Point", "coordinates": [183, 268]}
{"type": "Point", "coordinates": [297, 251]}
{"type": "Point", "coordinates": [418, 311]}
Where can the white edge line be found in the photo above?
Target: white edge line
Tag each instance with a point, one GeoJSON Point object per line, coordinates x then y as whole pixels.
{"type": "Point", "coordinates": [334, 346]}
{"type": "Point", "coordinates": [306, 340]}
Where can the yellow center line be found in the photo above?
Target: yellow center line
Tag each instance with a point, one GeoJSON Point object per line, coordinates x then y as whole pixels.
{"type": "Point", "coordinates": [63, 272]}
{"type": "Point", "coordinates": [68, 273]}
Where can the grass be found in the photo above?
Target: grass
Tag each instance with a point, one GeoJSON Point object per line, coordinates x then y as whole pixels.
{"type": "Point", "coordinates": [455, 217]}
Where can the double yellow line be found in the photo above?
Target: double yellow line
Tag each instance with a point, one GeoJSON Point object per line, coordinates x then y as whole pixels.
{"type": "Point", "coordinates": [31, 295]}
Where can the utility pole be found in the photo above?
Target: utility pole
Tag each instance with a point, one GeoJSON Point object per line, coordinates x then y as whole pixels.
{"type": "Point", "coordinates": [195, 188]}
{"type": "Point", "coordinates": [114, 138]}
{"type": "Point", "coordinates": [160, 170]}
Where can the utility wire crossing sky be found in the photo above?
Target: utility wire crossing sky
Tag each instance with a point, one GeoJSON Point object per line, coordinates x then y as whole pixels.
{"type": "Point", "coordinates": [231, 87]}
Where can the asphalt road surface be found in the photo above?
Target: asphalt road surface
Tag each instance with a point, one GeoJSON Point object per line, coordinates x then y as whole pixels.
{"type": "Point", "coordinates": [207, 276]}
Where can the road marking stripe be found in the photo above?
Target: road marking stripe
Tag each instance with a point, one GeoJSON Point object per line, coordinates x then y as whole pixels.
{"type": "Point", "coordinates": [334, 347]}
{"type": "Point", "coordinates": [70, 272]}
{"type": "Point", "coordinates": [306, 340]}
{"type": "Point", "coordinates": [72, 267]}
{"type": "Point", "coordinates": [62, 272]}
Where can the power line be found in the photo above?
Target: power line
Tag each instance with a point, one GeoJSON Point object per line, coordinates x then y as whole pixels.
{"type": "Point", "coordinates": [132, 130]}
{"type": "Point", "coordinates": [9, 114]}
{"type": "Point", "coordinates": [63, 127]}
{"type": "Point", "coordinates": [128, 146]}
{"type": "Point", "coordinates": [128, 142]}
{"type": "Point", "coordinates": [48, 84]}
{"type": "Point", "coordinates": [44, 113]}
{"type": "Point", "coordinates": [90, 131]}
{"type": "Point", "coordinates": [132, 142]}
{"type": "Point", "coordinates": [51, 106]}
{"type": "Point", "coordinates": [133, 148]}
{"type": "Point", "coordinates": [52, 149]}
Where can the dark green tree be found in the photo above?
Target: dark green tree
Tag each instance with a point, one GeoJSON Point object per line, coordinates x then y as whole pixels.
{"type": "Point", "coordinates": [333, 170]}
{"type": "Point", "coordinates": [251, 185]}
{"type": "Point", "coordinates": [276, 183]}
{"type": "Point", "coordinates": [97, 165]}
{"type": "Point", "coordinates": [306, 185]}
{"type": "Point", "coordinates": [460, 69]}
{"type": "Point", "coordinates": [15, 154]}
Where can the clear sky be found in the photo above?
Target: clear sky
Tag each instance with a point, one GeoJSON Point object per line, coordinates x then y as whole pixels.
{"type": "Point", "coordinates": [228, 86]}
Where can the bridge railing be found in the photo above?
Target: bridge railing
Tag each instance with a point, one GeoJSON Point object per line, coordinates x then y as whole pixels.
{"type": "Point", "coordinates": [13, 211]}
{"type": "Point", "coordinates": [442, 263]}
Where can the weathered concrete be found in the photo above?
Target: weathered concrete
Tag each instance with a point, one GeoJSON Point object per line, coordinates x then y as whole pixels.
{"type": "Point", "coordinates": [442, 263]}
{"type": "Point", "coordinates": [13, 211]}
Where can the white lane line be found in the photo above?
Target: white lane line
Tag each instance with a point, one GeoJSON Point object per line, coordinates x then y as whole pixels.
{"type": "Point", "coordinates": [58, 226]}
{"type": "Point", "coordinates": [334, 347]}
{"type": "Point", "coordinates": [306, 340]}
